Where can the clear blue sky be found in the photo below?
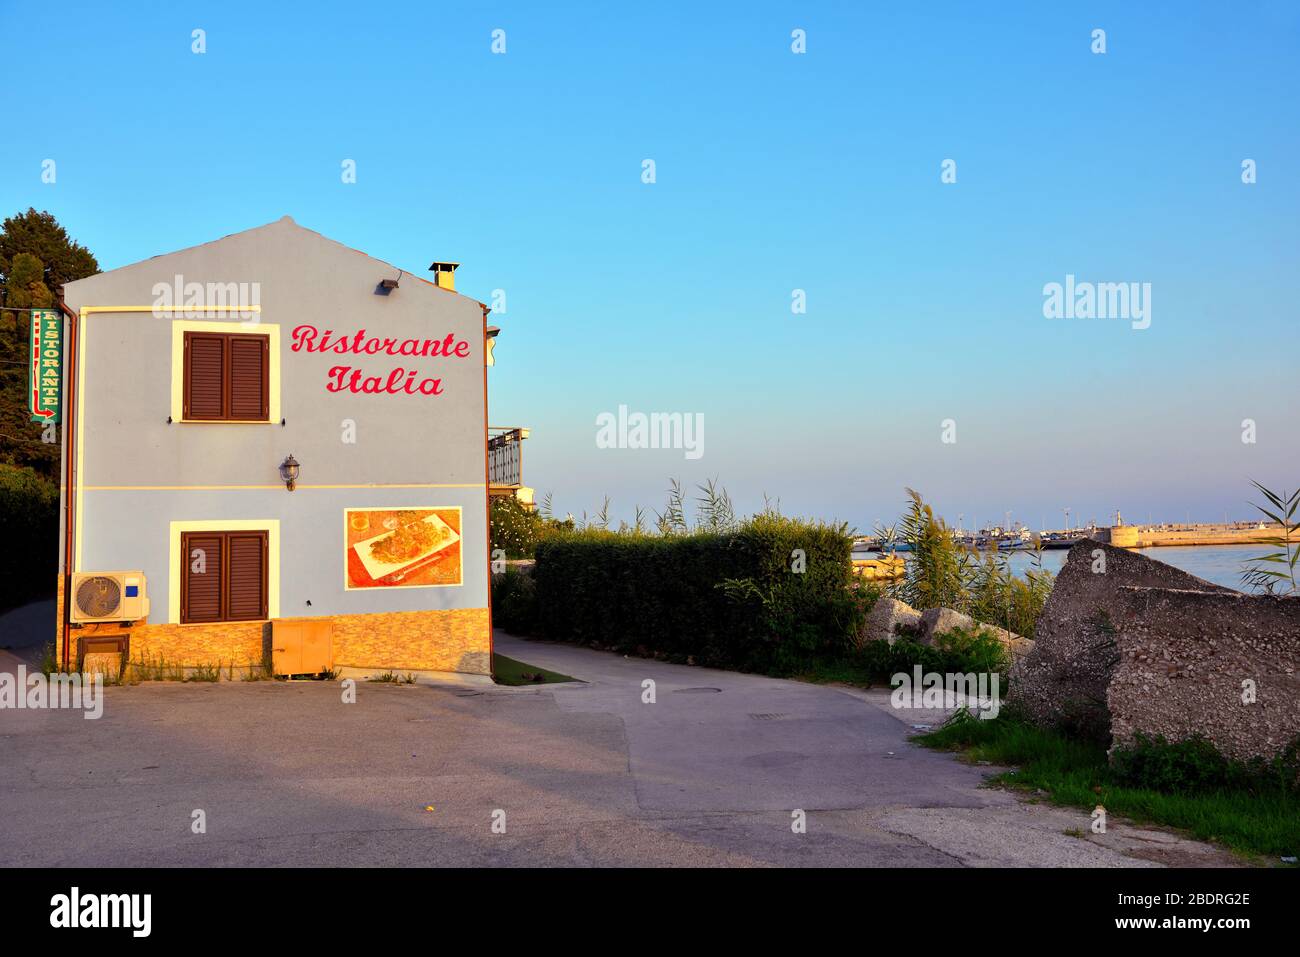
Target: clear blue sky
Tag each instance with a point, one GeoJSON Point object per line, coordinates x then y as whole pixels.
{"type": "Point", "coordinates": [775, 171]}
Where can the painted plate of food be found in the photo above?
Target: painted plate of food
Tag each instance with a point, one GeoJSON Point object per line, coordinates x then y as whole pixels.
{"type": "Point", "coordinates": [394, 554]}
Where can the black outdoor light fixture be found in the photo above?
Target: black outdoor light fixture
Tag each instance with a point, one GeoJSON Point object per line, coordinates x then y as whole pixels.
{"type": "Point", "coordinates": [289, 472]}
{"type": "Point", "coordinates": [388, 283]}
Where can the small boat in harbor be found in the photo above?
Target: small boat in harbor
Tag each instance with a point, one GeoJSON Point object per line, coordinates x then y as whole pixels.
{"type": "Point", "coordinates": [1058, 540]}
{"type": "Point", "coordinates": [876, 545]}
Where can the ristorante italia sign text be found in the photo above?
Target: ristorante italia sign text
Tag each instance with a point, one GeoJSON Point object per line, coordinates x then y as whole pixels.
{"type": "Point", "coordinates": [398, 380]}
{"type": "Point", "coordinates": [45, 366]}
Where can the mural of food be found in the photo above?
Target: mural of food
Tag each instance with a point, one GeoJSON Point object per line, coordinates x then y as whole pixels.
{"type": "Point", "coordinates": [402, 548]}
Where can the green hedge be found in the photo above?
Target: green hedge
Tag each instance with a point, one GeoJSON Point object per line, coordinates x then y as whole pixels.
{"type": "Point", "coordinates": [727, 599]}
{"type": "Point", "coordinates": [29, 513]}
{"type": "Point", "coordinates": [514, 601]}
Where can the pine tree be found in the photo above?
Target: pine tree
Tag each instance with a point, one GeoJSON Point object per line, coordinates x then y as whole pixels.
{"type": "Point", "coordinates": [36, 255]}
{"type": "Point", "coordinates": [40, 235]}
{"type": "Point", "coordinates": [25, 285]}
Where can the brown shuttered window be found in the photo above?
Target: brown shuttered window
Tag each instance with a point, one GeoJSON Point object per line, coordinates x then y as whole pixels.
{"type": "Point", "coordinates": [227, 377]}
{"type": "Point", "coordinates": [223, 576]}
{"type": "Point", "coordinates": [202, 576]}
{"type": "Point", "coordinates": [246, 578]}
{"type": "Point", "coordinates": [204, 377]}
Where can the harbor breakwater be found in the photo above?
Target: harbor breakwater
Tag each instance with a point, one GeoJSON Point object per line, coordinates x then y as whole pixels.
{"type": "Point", "coordinates": [1138, 536]}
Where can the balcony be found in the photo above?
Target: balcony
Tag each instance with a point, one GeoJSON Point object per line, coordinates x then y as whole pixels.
{"type": "Point", "coordinates": [505, 464]}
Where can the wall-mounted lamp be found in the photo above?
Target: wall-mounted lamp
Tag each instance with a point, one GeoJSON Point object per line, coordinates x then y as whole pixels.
{"type": "Point", "coordinates": [289, 472]}
{"type": "Point", "coordinates": [386, 286]}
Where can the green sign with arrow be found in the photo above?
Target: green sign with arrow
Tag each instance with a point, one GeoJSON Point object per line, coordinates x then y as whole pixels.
{"type": "Point", "coordinates": [45, 366]}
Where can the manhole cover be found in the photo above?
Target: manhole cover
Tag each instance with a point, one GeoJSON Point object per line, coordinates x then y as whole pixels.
{"type": "Point", "coordinates": [697, 690]}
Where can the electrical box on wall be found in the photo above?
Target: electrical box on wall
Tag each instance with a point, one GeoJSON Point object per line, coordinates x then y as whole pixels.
{"type": "Point", "coordinates": [301, 647]}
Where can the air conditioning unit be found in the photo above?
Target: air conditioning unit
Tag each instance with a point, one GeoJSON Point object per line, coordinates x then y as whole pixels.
{"type": "Point", "coordinates": [108, 596]}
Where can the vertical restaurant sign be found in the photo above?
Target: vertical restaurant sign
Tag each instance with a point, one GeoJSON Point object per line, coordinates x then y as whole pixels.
{"type": "Point", "coordinates": [45, 366]}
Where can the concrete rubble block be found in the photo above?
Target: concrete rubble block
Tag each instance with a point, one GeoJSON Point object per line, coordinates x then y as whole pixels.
{"type": "Point", "coordinates": [1221, 665]}
{"type": "Point", "coordinates": [887, 615]}
{"type": "Point", "coordinates": [1018, 645]}
{"type": "Point", "coordinates": [937, 621]}
{"type": "Point", "coordinates": [1128, 645]}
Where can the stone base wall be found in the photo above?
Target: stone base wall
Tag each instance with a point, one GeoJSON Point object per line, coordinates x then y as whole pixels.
{"type": "Point", "coordinates": [456, 640]}
{"type": "Point", "coordinates": [58, 619]}
{"type": "Point", "coordinates": [241, 643]}
{"type": "Point", "coordinates": [434, 640]}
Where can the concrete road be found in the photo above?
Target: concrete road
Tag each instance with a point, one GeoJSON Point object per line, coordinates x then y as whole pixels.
{"type": "Point", "coordinates": [26, 630]}
{"type": "Point", "coordinates": [712, 773]}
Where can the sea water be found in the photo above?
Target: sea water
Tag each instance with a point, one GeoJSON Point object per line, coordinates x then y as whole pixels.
{"type": "Point", "coordinates": [1220, 564]}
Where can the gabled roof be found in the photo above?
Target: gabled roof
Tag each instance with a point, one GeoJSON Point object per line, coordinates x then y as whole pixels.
{"type": "Point", "coordinates": [289, 221]}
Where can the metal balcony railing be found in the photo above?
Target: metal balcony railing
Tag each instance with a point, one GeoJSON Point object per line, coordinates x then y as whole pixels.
{"type": "Point", "coordinates": [505, 461]}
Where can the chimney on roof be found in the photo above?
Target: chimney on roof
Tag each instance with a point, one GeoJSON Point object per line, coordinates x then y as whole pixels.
{"type": "Point", "coordinates": [444, 274]}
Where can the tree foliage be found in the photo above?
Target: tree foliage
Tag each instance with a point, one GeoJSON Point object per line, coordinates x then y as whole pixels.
{"type": "Point", "coordinates": [39, 234]}
{"type": "Point", "coordinates": [29, 508]}
{"type": "Point", "coordinates": [25, 285]}
{"type": "Point", "coordinates": [515, 529]}
{"type": "Point", "coordinates": [36, 255]}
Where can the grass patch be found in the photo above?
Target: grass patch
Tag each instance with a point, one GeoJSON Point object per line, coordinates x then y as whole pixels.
{"type": "Point", "coordinates": [393, 678]}
{"type": "Point", "coordinates": [204, 673]}
{"type": "Point", "coordinates": [960, 651]}
{"type": "Point", "coordinates": [254, 670]}
{"type": "Point", "coordinates": [844, 671]}
{"type": "Point", "coordinates": [160, 668]}
{"type": "Point", "coordinates": [153, 668]}
{"type": "Point", "coordinates": [49, 659]}
{"type": "Point", "coordinates": [1256, 816]}
{"type": "Point", "coordinates": [508, 671]}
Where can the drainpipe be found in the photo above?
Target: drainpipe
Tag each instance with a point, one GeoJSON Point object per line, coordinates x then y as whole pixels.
{"type": "Point", "coordinates": [70, 424]}
{"type": "Point", "coordinates": [69, 474]}
{"type": "Point", "coordinates": [487, 495]}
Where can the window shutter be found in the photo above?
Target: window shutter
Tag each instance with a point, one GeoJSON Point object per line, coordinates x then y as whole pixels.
{"type": "Point", "coordinates": [248, 377]}
{"type": "Point", "coordinates": [246, 574]}
{"type": "Point", "coordinates": [201, 577]}
{"type": "Point", "coordinates": [227, 377]}
{"type": "Point", "coordinates": [204, 376]}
